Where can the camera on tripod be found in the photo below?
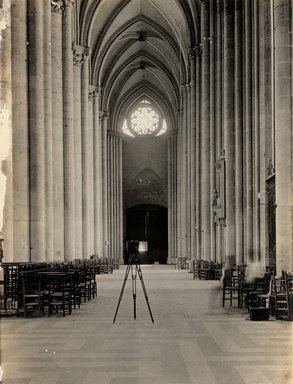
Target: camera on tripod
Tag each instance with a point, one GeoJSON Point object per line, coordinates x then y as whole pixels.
{"type": "Point", "coordinates": [132, 247]}
{"type": "Point", "coordinates": [135, 247]}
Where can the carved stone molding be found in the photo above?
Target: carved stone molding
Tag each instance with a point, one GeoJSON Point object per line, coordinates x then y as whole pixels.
{"type": "Point", "coordinates": [94, 92]}
{"type": "Point", "coordinates": [103, 115]}
{"type": "Point", "coordinates": [198, 50]}
{"type": "Point", "coordinates": [191, 53]}
{"type": "Point", "coordinates": [172, 134]}
{"type": "Point", "coordinates": [57, 6]}
{"type": "Point", "coordinates": [183, 88]}
{"type": "Point", "coordinates": [78, 56]}
{"type": "Point", "coordinates": [146, 188]}
{"type": "Point", "coordinates": [68, 3]}
{"type": "Point", "coordinates": [204, 2]}
{"type": "Point", "coordinates": [111, 133]}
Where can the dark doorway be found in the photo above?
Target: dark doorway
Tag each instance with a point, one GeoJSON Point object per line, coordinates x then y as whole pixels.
{"type": "Point", "coordinates": [149, 223]}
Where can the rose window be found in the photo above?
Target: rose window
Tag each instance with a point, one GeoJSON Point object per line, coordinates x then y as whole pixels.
{"type": "Point", "coordinates": [144, 120]}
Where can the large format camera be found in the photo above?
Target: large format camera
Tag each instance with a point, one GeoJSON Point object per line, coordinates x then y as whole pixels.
{"type": "Point", "coordinates": [132, 247]}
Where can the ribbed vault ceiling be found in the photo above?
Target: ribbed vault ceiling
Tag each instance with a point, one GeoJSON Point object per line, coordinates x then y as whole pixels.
{"type": "Point", "coordinates": [139, 47]}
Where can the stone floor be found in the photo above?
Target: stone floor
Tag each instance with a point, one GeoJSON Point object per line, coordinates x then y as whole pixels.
{"type": "Point", "coordinates": [193, 339]}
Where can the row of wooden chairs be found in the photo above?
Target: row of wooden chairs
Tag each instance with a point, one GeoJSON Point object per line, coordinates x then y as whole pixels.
{"type": "Point", "coordinates": [269, 291]}
{"type": "Point", "coordinates": [84, 272]}
{"type": "Point", "coordinates": [236, 286]}
{"type": "Point", "coordinates": [54, 291]}
{"type": "Point", "coordinates": [207, 270]}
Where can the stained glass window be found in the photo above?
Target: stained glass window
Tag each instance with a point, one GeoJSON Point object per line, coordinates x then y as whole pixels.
{"type": "Point", "coordinates": [144, 120]}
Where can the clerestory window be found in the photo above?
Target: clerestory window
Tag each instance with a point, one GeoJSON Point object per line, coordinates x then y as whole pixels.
{"type": "Point", "coordinates": [144, 119]}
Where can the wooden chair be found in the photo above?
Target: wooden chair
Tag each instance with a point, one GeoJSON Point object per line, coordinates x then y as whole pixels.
{"type": "Point", "coordinates": [60, 288]}
{"type": "Point", "coordinates": [84, 284]}
{"type": "Point", "coordinates": [265, 299]}
{"type": "Point", "coordinates": [231, 284]}
{"type": "Point", "coordinates": [280, 298]}
{"type": "Point", "coordinates": [289, 294]}
{"type": "Point", "coordinates": [32, 301]}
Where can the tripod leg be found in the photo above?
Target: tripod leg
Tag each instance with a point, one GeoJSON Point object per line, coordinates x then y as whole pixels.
{"type": "Point", "coordinates": [144, 289]}
{"type": "Point", "coordinates": [133, 274]}
{"type": "Point", "coordinates": [122, 289]}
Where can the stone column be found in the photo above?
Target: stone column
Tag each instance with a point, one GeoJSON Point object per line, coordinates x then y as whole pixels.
{"type": "Point", "coordinates": [36, 135]}
{"type": "Point", "coordinates": [48, 138]}
{"type": "Point", "coordinates": [172, 197]}
{"type": "Point", "coordinates": [248, 247]}
{"type": "Point", "coordinates": [86, 160]}
{"type": "Point", "coordinates": [174, 156]}
{"type": "Point", "coordinates": [205, 129]}
{"type": "Point", "coordinates": [218, 114]}
{"type": "Point", "coordinates": [170, 229]}
{"type": "Point", "coordinates": [98, 235]}
{"type": "Point", "coordinates": [117, 199]}
{"type": "Point", "coordinates": [105, 184]}
{"type": "Point", "coordinates": [283, 133]}
{"type": "Point", "coordinates": [78, 153]}
{"type": "Point", "coordinates": [229, 128]}
{"type": "Point", "coordinates": [69, 218]}
{"type": "Point", "coordinates": [256, 134]}
{"type": "Point", "coordinates": [57, 134]}
{"type": "Point", "coordinates": [179, 186]}
{"type": "Point", "coordinates": [184, 169]}
{"type": "Point", "coordinates": [198, 52]}
{"type": "Point", "coordinates": [90, 110]}
{"type": "Point", "coordinates": [193, 86]}
{"type": "Point", "coordinates": [114, 186]}
{"type": "Point", "coordinates": [115, 196]}
{"type": "Point", "coordinates": [6, 180]}
{"type": "Point", "coordinates": [238, 135]}
{"type": "Point", "coordinates": [188, 167]}
{"type": "Point", "coordinates": [20, 135]}
{"type": "Point", "coordinates": [212, 129]}
{"type": "Point", "coordinates": [110, 189]}
{"type": "Point", "coordinates": [91, 250]}
{"type": "Point", "coordinates": [266, 118]}
{"type": "Point", "coordinates": [120, 193]}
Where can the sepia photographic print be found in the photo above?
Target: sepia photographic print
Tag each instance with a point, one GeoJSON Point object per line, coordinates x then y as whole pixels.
{"type": "Point", "coordinates": [146, 191]}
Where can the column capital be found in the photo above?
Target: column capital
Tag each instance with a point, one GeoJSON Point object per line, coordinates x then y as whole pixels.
{"type": "Point", "coordinates": [91, 96]}
{"type": "Point", "coordinates": [198, 50]}
{"type": "Point", "coordinates": [204, 2]}
{"type": "Point", "coordinates": [94, 92]}
{"type": "Point", "coordinates": [191, 53]}
{"type": "Point", "coordinates": [77, 51]}
{"type": "Point", "coordinates": [68, 3]}
{"type": "Point", "coordinates": [57, 6]}
{"type": "Point", "coordinates": [112, 133]}
{"type": "Point", "coordinates": [103, 115]}
{"type": "Point", "coordinates": [185, 88]}
{"type": "Point", "coordinates": [172, 134]}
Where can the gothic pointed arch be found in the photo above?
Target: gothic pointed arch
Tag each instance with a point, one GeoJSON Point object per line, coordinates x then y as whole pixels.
{"type": "Point", "coordinates": [147, 188]}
